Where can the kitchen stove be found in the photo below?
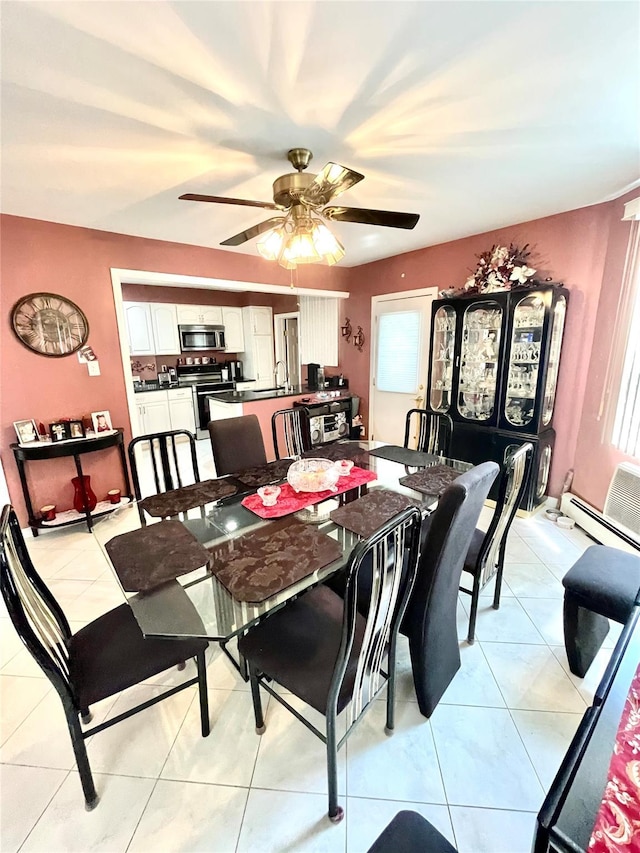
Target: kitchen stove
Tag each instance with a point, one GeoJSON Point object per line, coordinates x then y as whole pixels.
{"type": "Point", "coordinates": [204, 380]}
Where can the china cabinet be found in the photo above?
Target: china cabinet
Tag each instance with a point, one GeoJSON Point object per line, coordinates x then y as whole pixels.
{"type": "Point", "coordinates": [493, 367]}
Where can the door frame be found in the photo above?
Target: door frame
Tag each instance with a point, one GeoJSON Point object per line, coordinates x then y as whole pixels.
{"type": "Point", "coordinates": [278, 332]}
{"type": "Point", "coordinates": [375, 301]}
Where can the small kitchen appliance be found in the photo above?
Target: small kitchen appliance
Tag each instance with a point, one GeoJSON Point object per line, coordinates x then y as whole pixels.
{"type": "Point", "coordinates": [315, 377]}
{"type": "Point", "coordinates": [199, 338]}
{"type": "Point", "coordinates": [235, 370]}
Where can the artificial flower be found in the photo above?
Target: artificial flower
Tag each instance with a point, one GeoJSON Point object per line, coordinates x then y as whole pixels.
{"type": "Point", "coordinates": [521, 274]}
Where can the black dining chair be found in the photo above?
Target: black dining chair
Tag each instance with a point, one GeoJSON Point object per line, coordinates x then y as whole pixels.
{"type": "Point", "coordinates": [485, 557]}
{"type": "Point", "coordinates": [432, 431]}
{"type": "Point", "coordinates": [237, 444]}
{"type": "Point", "coordinates": [106, 656]}
{"type": "Point", "coordinates": [292, 426]}
{"type": "Point", "coordinates": [160, 454]}
{"type": "Point", "coordinates": [430, 620]}
{"type": "Point", "coordinates": [409, 832]}
{"type": "Point", "coordinates": [321, 649]}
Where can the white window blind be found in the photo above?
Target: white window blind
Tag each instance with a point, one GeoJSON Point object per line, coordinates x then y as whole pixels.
{"type": "Point", "coordinates": [319, 330]}
{"type": "Point", "coordinates": [398, 357]}
{"type": "Point", "coordinates": [626, 426]}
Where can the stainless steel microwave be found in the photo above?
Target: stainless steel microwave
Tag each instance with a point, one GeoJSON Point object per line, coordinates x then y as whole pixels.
{"type": "Point", "coordinates": [199, 338]}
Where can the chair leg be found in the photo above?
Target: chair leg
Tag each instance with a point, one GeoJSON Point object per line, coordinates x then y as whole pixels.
{"type": "Point", "coordinates": [336, 812]}
{"type": "Point", "coordinates": [391, 691]}
{"type": "Point", "coordinates": [91, 797]}
{"type": "Point", "coordinates": [86, 716]}
{"type": "Point", "coordinates": [473, 615]}
{"type": "Point", "coordinates": [201, 663]}
{"type": "Point", "coordinates": [257, 702]}
{"type": "Point", "coordinates": [584, 632]}
{"type": "Point", "coordinates": [181, 666]}
{"type": "Point", "coordinates": [498, 588]}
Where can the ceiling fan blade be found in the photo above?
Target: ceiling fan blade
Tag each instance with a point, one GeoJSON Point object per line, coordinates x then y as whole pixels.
{"type": "Point", "coordinates": [252, 232]}
{"type": "Point", "coordinates": [218, 199]}
{"type": "Point", "coordinates": [330, 182]}
{"type": "Point", "coordinates": [387, 218]}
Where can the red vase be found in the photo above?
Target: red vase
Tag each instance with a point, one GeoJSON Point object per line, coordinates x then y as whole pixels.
{"type": "Point", "coordinates": [79, 496]}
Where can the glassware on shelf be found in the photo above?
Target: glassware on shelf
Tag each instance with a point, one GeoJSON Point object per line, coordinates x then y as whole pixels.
{"type": "Point", "coordinates": [524, 357]}
{"type": "Point", "coordinates": [479, 352]}
{"type": "Point", "coordinates": [559, 313]}
{"type": "Point", "coordinates": [444, 328]}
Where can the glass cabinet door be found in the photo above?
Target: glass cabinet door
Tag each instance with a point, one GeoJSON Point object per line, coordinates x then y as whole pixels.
{"type": "Point", "coordinates": [554, 360]}
{"type": "Point", "coordinates": [444, 333]}
{"type": "Point", "coordinates": [524, 360]}
{"type": "Point", "coordinates": [481, 326]}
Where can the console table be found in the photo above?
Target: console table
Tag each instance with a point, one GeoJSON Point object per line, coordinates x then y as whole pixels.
{"type": "Point", "coordinates": [41, 451]}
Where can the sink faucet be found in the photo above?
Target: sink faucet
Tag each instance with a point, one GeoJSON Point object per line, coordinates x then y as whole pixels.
{"type": "Point", "coordinates": [286, 375]}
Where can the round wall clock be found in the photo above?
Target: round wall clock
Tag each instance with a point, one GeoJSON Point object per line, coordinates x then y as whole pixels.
{"type": "Point", "coordinates": [49, 324]}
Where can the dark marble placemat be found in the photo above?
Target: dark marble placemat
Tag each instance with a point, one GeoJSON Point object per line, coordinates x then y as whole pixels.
{"type": "Point", "coordinates": [405, 456]}
{"type": "Point", "coordinates": [264, 474]}
{"type": "Point", "coordinates": [187, 497]}
{"type": "Point", "coordinates": [431, 481]}
{"type": "Point", "coordinates": [153, 555]}
{"type": "Point", "coordinates": [341, 450]}
{"type": "Point", "coordinates": [365, 515]}
{"type": "Point", "coordinates": [264, 563]}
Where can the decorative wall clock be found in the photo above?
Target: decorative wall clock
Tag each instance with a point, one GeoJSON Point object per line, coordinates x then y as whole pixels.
{"type": "Point", "coordinates": [50, 325]}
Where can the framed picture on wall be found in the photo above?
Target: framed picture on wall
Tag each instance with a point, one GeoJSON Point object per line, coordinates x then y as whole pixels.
{"type": "Point", "coordinates": [101, 421]}
{"type": "Point", "coordinates": [27, 431]}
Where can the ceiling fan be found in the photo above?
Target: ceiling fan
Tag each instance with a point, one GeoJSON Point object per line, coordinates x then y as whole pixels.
{"type": "Point", "coordinates": [302, 200]}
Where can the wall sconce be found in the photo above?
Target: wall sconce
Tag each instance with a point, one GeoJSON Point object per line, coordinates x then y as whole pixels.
{"type": "Point", "coordinates": [358, 339]}
{"type": "Point", "coordinates": [346, 330]}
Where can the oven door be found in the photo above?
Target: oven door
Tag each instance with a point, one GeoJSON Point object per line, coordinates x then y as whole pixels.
{"type": "Point", "coordinates": [201, 407]}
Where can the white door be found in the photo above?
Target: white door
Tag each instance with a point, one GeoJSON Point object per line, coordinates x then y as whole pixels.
{"type": "Point", "coordinates": [400, 361]}
{"type": "Point", "coordinates": [139, 330]}
{"type": "Point", "coordinates": [211, 315]}
{"type": "Point", "coordinates": [233, 333]}
{"type": "Point", "coordinates": [165, 328]}
{"type": "Point", "coordinates": [263, 349]}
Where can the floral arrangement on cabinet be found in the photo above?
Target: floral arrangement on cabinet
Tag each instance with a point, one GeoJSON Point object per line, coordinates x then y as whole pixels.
{"type": "Point", "coordinates": [499, 268]}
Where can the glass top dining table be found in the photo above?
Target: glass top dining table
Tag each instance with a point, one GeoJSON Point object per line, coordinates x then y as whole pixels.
{"type": "Point", "coordinates": [197, 603]}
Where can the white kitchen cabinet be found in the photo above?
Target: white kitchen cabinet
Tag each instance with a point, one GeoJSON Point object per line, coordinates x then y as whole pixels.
{"type": "Point", "coordinates": [139, 328]}
{"type": "Point", "coordinates": [164, 322]}
{"type": "Point", "coordinates": [181, 412]}
{"type": "Point", "coordinates": [220, 411]}
{"type": "Point", "coordinates": [260, 319]}
{"type": "Point", "coordinates": [153, 412]}
{"type": "Point", "coordinates": [258, 360]}
{"type": "Point", "coordinates": [199, 315]}
{"type": "Point", "coordinates": [233, 331]}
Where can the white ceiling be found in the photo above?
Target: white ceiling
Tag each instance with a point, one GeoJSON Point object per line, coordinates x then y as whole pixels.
{"type": "Point", "coordinates": [473, 114]}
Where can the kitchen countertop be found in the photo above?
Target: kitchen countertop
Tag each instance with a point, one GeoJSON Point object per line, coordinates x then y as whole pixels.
{"type": "Point", "coordinates": [272, 393]}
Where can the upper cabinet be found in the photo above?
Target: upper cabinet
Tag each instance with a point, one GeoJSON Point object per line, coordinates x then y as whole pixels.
{"type": "Point", "coordinates": [258, 359]}
{"type": "Point", "coordinates": [199, 315]}
{"type": "Point", "coordinates": [152, 328]}
{"type": "Point", "coordinates": [258, 319]}
{"type": "Point", "coordinates": [494, 357]}
{"type": "Point", "coordinates": [233, 331]}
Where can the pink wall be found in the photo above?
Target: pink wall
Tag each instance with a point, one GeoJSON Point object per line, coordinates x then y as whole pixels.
{"type": "Point", "coordinates": [595, 457]}
{"type": "Point", "coordinates": [569, 247]}
{"type": "Point", "coordinates": [75, 262]}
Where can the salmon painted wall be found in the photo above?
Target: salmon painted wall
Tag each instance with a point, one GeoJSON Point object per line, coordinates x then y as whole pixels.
{"type": "Point", "coordinates": [75, 262]}
{"type": "Point", "coordinates": [596, 458]}
{"type": "Point", "coordinates": [569, 247]}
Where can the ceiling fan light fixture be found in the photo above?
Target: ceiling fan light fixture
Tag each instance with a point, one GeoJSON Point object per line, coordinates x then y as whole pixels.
{"type": "Point", "coordinates": [300, 247]}
{"type": "Point", "coordinates": [271, 243]}
{"type": "Point", "coordinates": [327, 245]}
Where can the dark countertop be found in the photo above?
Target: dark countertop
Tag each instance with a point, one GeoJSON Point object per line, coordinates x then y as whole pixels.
{"type": "Point", "coordinates": [150, 385]}
{"type": "Point", "coordinates": [271, 393]}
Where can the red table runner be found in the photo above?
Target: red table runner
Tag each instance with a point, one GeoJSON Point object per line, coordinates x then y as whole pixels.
{"type": "Point", "coordinates": [617, 826]}
{"type": "Point", "coordinates": [291, 501]}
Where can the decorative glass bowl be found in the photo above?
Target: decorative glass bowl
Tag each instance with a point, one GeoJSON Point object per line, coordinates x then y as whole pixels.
{"type": "Point", "coordinates": [313, 475]}
{"type": "Point", "coordinates": [343, 466]}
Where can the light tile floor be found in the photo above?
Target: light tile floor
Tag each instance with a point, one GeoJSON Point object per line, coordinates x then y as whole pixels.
{"type": "Point", "coordinates": [478, 769]}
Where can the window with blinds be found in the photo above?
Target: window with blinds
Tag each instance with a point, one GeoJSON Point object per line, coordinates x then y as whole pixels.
{"type": "Point", "coordinates": [626, 427]}
{"type": "Point", "coordinates": [319, 330]}
{"type": "Point", "coordinates": [398, 356]}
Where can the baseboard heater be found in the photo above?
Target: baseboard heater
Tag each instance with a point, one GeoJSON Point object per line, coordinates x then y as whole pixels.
{"type": "Point", "coordinates": [599, 527]}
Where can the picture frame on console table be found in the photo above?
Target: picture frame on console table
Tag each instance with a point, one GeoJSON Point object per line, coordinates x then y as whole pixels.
{"type": "Point", "coordinates": [101, 422]}
{"type": "Point", "coordinates": [27, 431]}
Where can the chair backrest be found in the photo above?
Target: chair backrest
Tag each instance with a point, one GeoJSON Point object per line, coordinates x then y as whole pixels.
{"type": "Point", "coordinates": [515, 474]}
{"type": "Point", "coordinates": [168, 466]}
{"type": "Point", "coordinates": [447, 541]}
{"type": "Point", "coordinates": [36, 615]}
{"type": "Point", "coordinates": [392, 552]}
{"type": "Point", "coordinates": [434, 431]}
{"type": "Point", "coordinates": [237, 444]}
{"type": "Point", "coordinates": [293, 426]}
